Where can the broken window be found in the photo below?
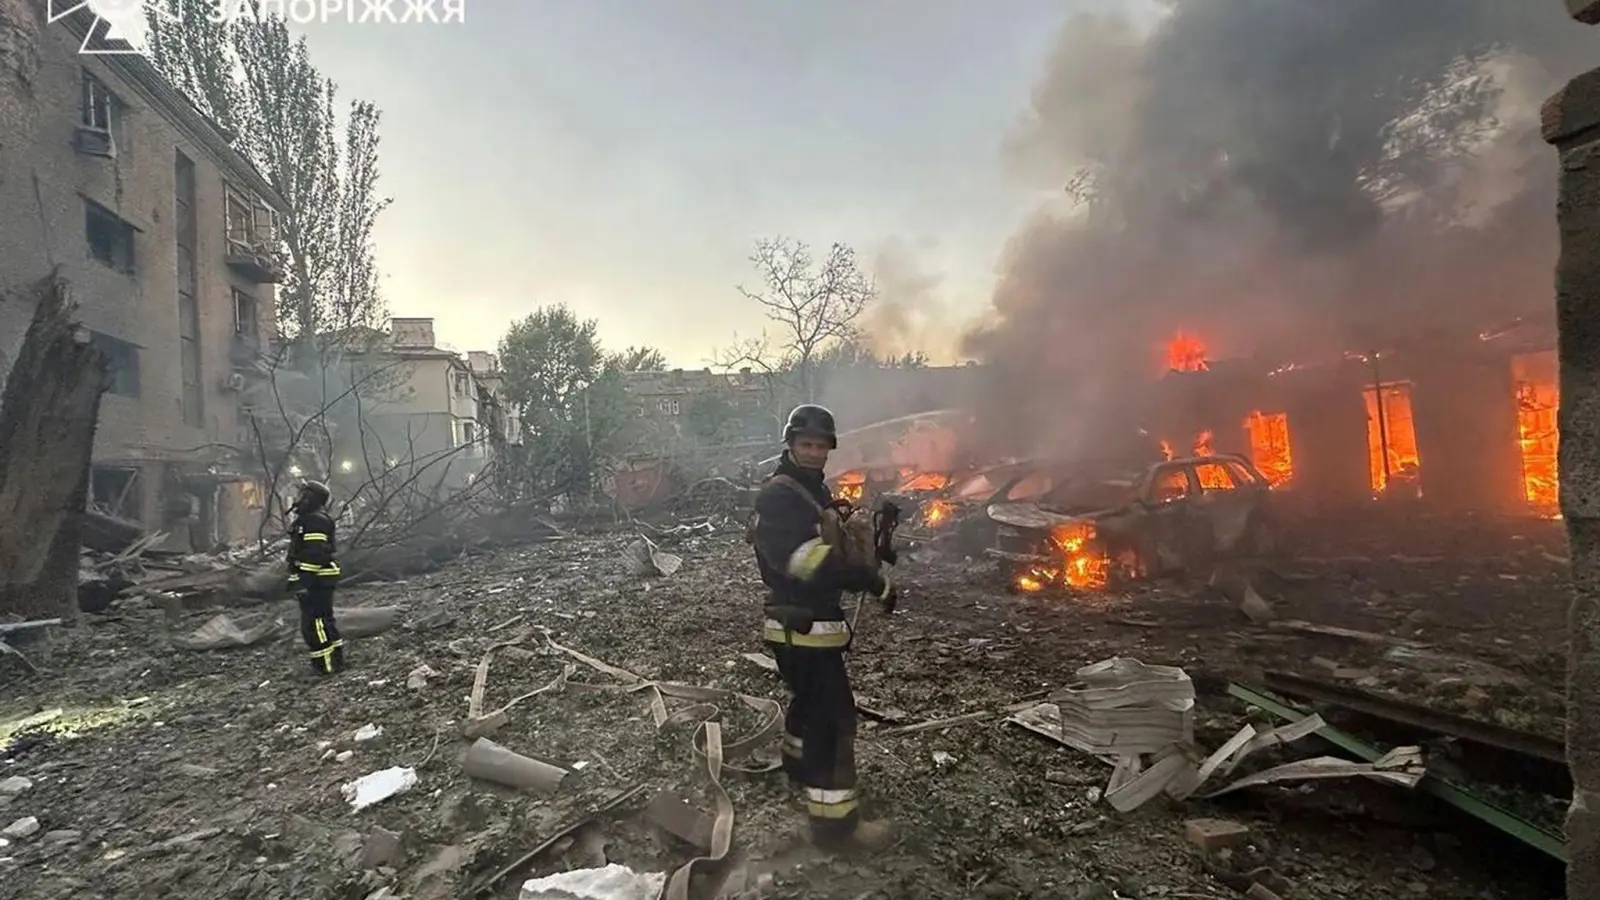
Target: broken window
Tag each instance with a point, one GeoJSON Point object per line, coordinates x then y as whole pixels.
{"type": "Point", "coordinates": [1393, 458]}
{"type": "Point", "coordinates": [1214, 477]}
{"type": "Point", "coordinates": [113, 491]}
{"type": "Point", "coordinates": [251, 494]}
{"type": "Point", "coordinates": [1538, 400]}
{"type": "Point", "coordinates": [469, 432]}
{"type": "Point", "coordinates": [249, 222]}
{"type": "Point", "coordinates": [245, 316]}
{"type": "Point", "coordinates": [99, 104]}
{"type": "Point", "coordinates": [110, 239]}
{"type": "Point", "coordinates": [1170, 485]}
{"type": "Point", "coordinates": [122, 364]}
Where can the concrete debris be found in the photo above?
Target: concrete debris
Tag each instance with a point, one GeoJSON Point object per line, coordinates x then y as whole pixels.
{"type": "Point", "coordinates": [367, 732]}
{"type": "Point", "coordinates": [644, 560]}
{"type": "Point", "coordinates": [382, 847]}
{"type": "Point", "coordinates": [1255, 607]}
{"type": "Point", "coordinates": [378, 786]}
{"type": "Point", "coordinates": [1215, 834]}
{"type": "Point", "coordinates": [16, 784]}
{"type": "Point", "coordinates": [24, 827]}
{"type": "Point", "coordinates": [417, 679]}
{"type": "Point", "coordinates": [222, 632]}
{"type": "Point", "coordinates": [613, 882]}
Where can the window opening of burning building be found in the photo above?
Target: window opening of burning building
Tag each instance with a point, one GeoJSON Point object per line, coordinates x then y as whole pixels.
{"type": "Point", "coordinates": [1268, 435]}
{"type": "Point", "coordinates": [1394, 462]}
{"type": "Point", "coordinates": [1538, 398]}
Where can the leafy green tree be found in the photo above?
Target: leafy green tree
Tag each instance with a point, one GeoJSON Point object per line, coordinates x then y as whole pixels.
{"type": "Point", "coordinates": [640, 359]}
{"type": "Point", "coordinates": [569, 393]}
{"type": "Point", "coordinates": [260, 86]}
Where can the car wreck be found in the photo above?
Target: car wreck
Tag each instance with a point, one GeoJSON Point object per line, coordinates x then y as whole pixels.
{"type": "Point", "coordinates": [1099, 528]}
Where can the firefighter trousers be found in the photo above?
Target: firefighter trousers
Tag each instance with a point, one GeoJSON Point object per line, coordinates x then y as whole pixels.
{"type": "Point", "coordinates": [319, 630]}
{"type": "Point", "coordinates": [820, 733]}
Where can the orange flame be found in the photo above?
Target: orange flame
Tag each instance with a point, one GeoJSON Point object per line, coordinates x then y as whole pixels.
{"type": "Point", "coordinates": [936, 514]}
{"type": "Point", "coordinates": [852, 486]}
{"type": "Point", "coordinates": [1079, 563]}
{"type": "Point", "coordinates": [1538, 438]}
{"type": "Point", "coordinates": [1269, 446]}
{"type": "Point", "coordinates": [1186, 353]}
{"type": "Point", "coordinates": [1202, 444]}
{"type": "Point", "coordinates": [1391, 433]}
{"type": "Point", "coordinates": [1166, 449]}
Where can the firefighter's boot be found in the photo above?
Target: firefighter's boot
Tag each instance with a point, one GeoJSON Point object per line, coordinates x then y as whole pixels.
{"type": "Point", "coordinates": [868, 836]}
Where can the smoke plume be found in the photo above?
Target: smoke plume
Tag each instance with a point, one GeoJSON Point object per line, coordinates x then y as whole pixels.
{"type": "Point", "coordinates": [910, 313]}
{"type": "Point", "coordinates": [1284, 178]}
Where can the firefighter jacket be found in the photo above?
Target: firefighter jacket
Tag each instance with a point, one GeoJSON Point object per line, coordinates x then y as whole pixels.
{"type": "Point", "coordinates": [313, 552]}
{"type": "Point", "coordinates": [807, 575]}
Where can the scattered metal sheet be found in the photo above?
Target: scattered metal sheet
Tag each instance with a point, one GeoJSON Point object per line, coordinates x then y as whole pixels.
{"type": "Point", "coordinates": [1509, 823]}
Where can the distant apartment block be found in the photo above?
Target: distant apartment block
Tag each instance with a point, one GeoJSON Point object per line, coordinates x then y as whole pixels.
{"type": "Point", "coordinates": [429, 406]}
{"type": "Point", "coordinates": [166, 235]}
{"type": "Point", "coordinates": [701, 404]}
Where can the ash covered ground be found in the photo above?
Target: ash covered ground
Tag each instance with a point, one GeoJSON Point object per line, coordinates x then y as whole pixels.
{"type": "Point", "coordinates": [217, 774]}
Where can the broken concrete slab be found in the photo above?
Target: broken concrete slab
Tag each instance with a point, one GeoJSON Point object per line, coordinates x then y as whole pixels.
{"type": "Point", "coordinates": [1215, 834]}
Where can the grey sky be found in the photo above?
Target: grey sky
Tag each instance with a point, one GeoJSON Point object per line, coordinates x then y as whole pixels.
{"type": "Point", "coordinates": [621, 155]}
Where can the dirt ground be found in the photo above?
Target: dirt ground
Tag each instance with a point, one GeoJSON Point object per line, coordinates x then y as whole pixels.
{"type": "Point", "coordinates": [217, 774]}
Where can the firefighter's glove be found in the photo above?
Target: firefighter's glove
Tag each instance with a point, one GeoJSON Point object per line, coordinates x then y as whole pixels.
{"type": "Point", "coordinates": [888, 596]}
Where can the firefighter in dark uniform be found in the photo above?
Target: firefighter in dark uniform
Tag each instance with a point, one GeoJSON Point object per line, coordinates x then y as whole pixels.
{"type": "Point", "coordinates": [314, 574]}
{"type": "Point", "coordinates": [808, 634]}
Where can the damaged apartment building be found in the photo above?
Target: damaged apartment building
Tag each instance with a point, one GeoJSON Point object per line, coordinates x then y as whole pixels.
{"type": "Point", "coordinates": [426, 410]}
{"type": "Point", "coordinates": [165, 234]}
{"type": "Point", "coordinates": [1461, 422]}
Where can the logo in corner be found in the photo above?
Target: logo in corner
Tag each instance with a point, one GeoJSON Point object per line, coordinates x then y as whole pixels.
{"type": "Point", "coordinates": [116, 23]}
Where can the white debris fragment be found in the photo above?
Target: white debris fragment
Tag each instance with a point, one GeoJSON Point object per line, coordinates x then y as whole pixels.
{"type": "Point", "coordinates": [16, 784]}
{"type": "Point", "coordinates": [378, 786]}
{"type": "Point", "coordinates": [418, 679]}
{"type": "Point", "coordinates": [343, 755]}
{"type": "Point", "coordinates": [943, 758]}
{"type": "Point", "coordinates": [367, 732]}
{"type": "Point", "coordinates": [614, 882]}
{"type": "Point", "coordinates": [21, 828]}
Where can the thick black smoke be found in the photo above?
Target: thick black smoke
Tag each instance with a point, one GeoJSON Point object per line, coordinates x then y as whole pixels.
{"type": "Point", "coordinates": [1286, 178]}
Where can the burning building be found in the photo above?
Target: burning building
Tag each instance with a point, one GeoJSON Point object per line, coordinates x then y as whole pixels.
{"type": "Point", "coordinates": [1464, 422]}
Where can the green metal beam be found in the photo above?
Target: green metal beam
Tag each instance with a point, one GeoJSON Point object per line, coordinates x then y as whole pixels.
{"type": "Point", "coordinates": [1510, 823]}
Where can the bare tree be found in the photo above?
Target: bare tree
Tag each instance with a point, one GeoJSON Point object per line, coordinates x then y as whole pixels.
{"type": "Point", "coordinates": [814, 303]}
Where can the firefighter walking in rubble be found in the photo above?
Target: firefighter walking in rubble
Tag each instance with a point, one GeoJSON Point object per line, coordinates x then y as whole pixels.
{"type": "Point", "coordinates": [314, 575]}
{"type": "Point", "coordinates": [806, 629]}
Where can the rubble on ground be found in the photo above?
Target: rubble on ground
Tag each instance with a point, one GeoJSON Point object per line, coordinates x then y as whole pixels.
{"type": "Point", "coordinates": [232, 772]}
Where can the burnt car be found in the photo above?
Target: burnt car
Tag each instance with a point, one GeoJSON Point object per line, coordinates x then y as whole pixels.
{"type": "Point", "coordinates": [958, 507]}
{"type": "Point", "coordinates": [1098, 527]}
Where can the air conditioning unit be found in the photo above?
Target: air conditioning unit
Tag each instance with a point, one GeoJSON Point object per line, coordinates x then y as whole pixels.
{"type": "Point", "coordinates": [233, 381]}
{"type": "Point", "coordinates": [94, 142]}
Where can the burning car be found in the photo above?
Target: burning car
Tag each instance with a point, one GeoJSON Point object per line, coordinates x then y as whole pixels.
{"type": "Point", "coordinates": [1096, 528]}
{"type": "Point", "coordinates": [956, 505]}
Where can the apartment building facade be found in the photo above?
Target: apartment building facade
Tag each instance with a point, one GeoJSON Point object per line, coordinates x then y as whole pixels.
{"type": "Point", "coordinates": [165, 233]}
{"type": "Point", "coordinates": [700, 406]}
{"type": "Point", "coordinates": [430, 407]}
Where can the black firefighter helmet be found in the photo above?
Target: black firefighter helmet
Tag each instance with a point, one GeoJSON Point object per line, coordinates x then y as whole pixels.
{"type": "Point", "coordinates": [313, 495]}
{"type": "Point", "coordinates": [811, 420]}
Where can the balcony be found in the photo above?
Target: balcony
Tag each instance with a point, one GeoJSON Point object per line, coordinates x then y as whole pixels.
{"type": "Point", "coordinates": [255, 257]}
